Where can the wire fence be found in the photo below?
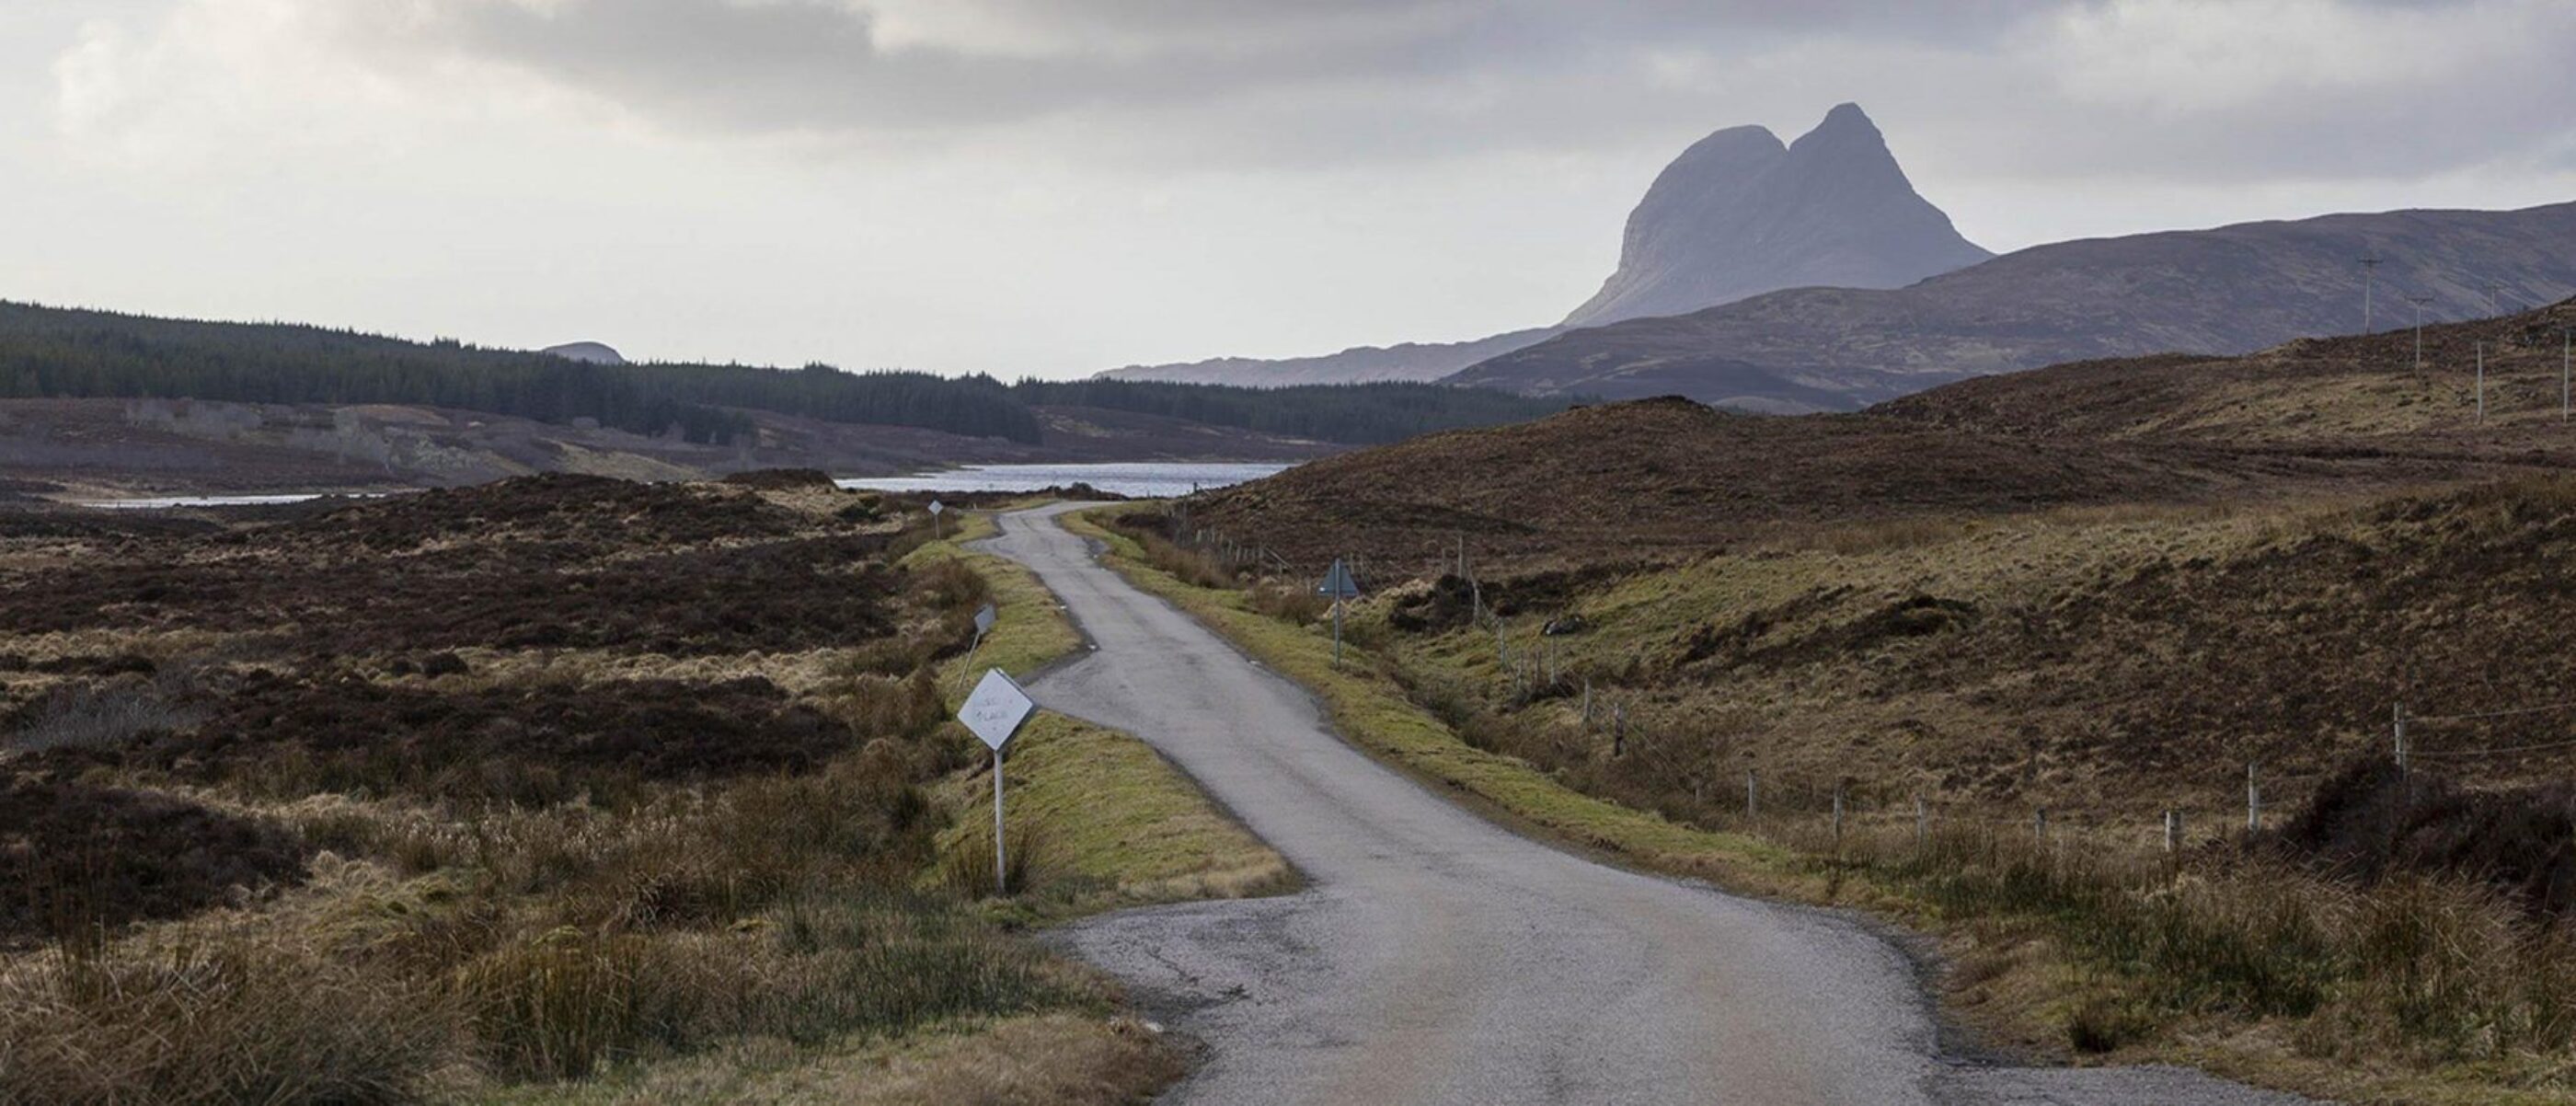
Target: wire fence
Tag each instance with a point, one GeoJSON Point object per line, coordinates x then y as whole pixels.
{"type": "Point", "coordinates": [1602, 720]}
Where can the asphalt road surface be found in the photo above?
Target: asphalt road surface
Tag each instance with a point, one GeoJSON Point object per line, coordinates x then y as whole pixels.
{"type": "Point", "coordinates": [1438, 958]}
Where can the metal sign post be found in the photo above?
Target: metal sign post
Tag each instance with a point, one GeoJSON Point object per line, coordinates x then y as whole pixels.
{"type": "Point", "coordinates": [984, 620]}
{"type": "Point", "coordinates": [995, 713]}
{"type": "Point", "coordinates": [937, 508]}
{"type": "Point", "coordinates": [1339, 585]}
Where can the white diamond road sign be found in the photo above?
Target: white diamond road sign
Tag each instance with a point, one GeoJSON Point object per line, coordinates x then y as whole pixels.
{"type": "Point", "coordinates": [937, 506]}
{"type": "Point", "coordinates": [996, 709]}
{"type": "Point", "coordinates": [984, 620]}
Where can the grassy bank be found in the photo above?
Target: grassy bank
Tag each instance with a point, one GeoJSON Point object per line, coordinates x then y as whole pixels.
{"type": "Point", "coordinates": [553, 790]}
{"type": "Point", "coordinates": [1105, 821]}
{"type": "Point", "coordinates": [2083, 942]}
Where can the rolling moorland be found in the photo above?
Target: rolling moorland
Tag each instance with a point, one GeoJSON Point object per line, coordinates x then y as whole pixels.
{"type": "Point", "coordinates": [93, 403]}
{"type": "Point", "coordinates": [560, 789]}
{"type": "Point", "coordinates": [2005, 627]}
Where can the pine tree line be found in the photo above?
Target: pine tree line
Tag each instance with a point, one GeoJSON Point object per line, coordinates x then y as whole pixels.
{"type": "Point", "coordinates": [58, 353]}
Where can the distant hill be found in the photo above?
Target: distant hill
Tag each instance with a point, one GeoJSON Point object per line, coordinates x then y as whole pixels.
{"type": "Point", "coordinates": [1738, 214]}
{"type": "Point", "coordinates": [592, 352]}
{"type": "Point", "coordinates": [1654, 477]}
{"type": "Point", "coordinates": [1413, 361]}
{"type": "Point", "coordinates": [98, 399]}
{"type": "Point", "coordinates": [48, 352]}
{"type": "Point", "coordinates": [2358, 395]}
{"type": "Point", "coordinates": [2229, 290]}
{"type": "Point", "coordinates": [1663, 474]}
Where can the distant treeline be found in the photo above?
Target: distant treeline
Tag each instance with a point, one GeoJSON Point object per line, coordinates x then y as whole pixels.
{"type": "Point", "coordinates": [50, 352]}
{"type": "Point", "coordinates": [59, 353]}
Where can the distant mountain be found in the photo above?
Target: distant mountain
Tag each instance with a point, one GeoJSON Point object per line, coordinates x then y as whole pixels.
{"type": "Point", "coordinates": [589, 352]}
{"type": "Point", "coordinates": [2230, 290]}
{"type": "Point", "coordinates": [1411, 361]}
{"type": "Point", "coordinates": [1738, 214]}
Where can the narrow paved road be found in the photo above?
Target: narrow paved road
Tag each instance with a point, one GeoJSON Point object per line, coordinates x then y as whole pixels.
{"type": "Point", "coordinates": [1438, 958]}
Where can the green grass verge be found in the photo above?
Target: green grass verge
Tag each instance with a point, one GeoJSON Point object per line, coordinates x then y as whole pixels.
{"type": "Point", "coordinates": [1109, 821]}
{"type": "Point", "coordinates": [1111, 825]}
{"type": "Point", "coordinates": [1368, 708]}
{"type": "Point", "coordinates": [1052, 1058]}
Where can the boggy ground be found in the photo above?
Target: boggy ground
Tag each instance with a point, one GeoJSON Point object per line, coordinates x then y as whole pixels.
{"type": "Point", "coordinates": [2385, 938]}
{"type": "Point", "coordinates": [562, 788]}
{"type": "Point", "coordinates": [2049, 608]}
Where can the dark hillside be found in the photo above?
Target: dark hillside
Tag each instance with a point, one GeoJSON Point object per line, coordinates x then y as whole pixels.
{"type": "Point", "coordinates": [267, 397]}
{"type": "Point", "coordinates": [57, 353]}
{"type": "Point", "coordinates": [2359, 391]}
{"type": "Point", "coordinates": [1670, 477]}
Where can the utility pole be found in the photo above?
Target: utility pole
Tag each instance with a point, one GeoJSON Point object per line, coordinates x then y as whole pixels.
{"type": "Point", "coordinates": [2368, 263]}
{"type": "Point", "coordinates": [2491, 299]}
{"type": "Point", "coordinates": [2397, 716]}
{"type": "Point", "coordinates": [1838, 819]}
{"type": "Point", "coordinates": [2419, 302]}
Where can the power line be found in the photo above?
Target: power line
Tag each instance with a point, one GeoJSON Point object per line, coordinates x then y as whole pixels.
{"type": "Point", "coordinates": [2419, 302]}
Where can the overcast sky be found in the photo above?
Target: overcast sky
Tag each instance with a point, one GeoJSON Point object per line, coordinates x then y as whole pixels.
{"type": "Point", "coordinates": [1058, 186]}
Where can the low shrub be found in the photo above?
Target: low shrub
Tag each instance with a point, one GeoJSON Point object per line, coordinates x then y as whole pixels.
{"type": "Point", "coordinates": [1288, 602]}
{"type": "Point", "coordinates": [101, 716]}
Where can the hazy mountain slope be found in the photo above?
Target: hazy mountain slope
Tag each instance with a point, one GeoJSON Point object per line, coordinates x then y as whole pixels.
{"type": "Point", "coordinates": [596, 353]}
{"type": "Point", "coordinates": [2223, 291]}
{"type": "Point", "coordinates": [1738, 214]}
{"type": "Point", "coordinates": [1409, 361]}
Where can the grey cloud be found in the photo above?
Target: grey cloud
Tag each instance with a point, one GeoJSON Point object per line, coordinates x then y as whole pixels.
{"type": "Point", "coordinates": [1258, 82]}
{"type": "Point", "coordinates": [815, 65]}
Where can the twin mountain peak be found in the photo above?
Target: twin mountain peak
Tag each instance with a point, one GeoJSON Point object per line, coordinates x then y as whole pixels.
{"type": "Point", "coordinates": [1740, 214]}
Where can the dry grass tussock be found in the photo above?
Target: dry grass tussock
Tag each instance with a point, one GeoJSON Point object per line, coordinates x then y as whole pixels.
{"type": "Point", "coordinates": [1036, 1060]}
{"type": "Point", "coordinates": [2427, 971]}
